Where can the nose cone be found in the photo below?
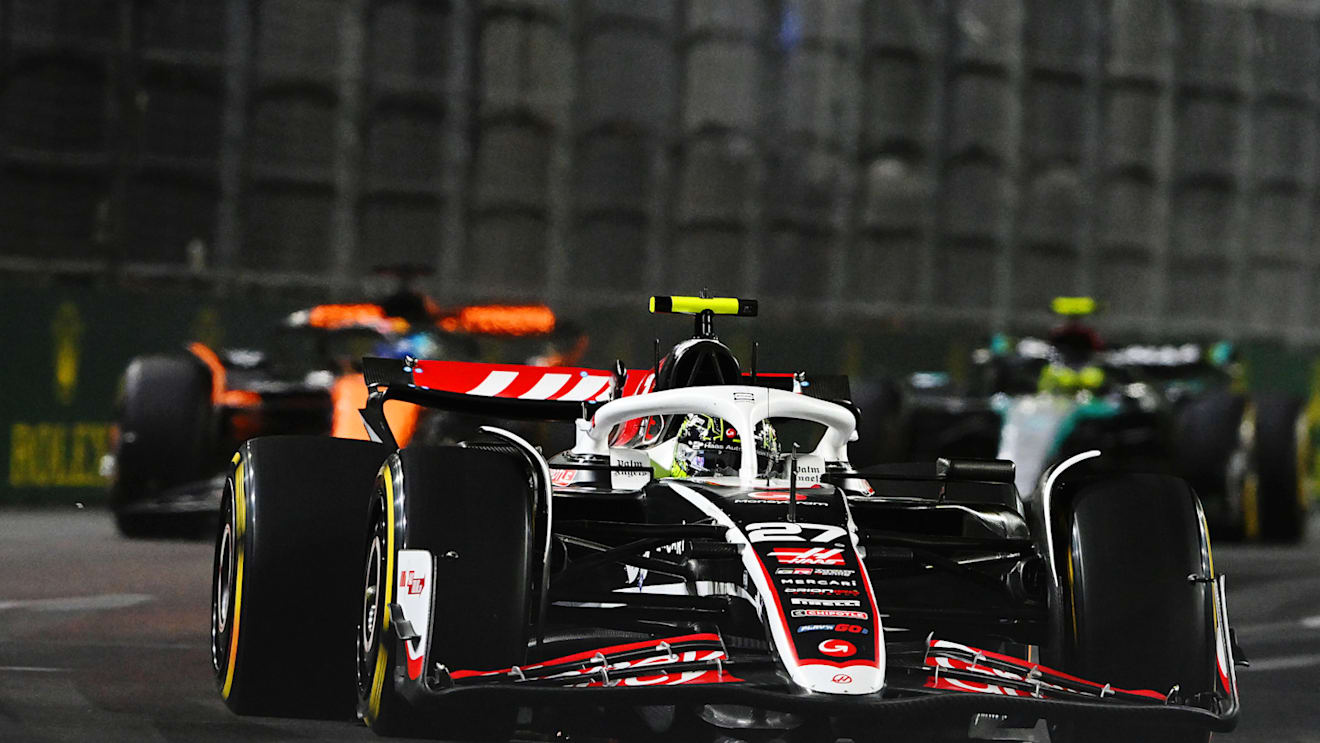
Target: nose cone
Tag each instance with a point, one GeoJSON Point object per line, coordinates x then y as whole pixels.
{"type": "Point", "coordinates": [860, 677]}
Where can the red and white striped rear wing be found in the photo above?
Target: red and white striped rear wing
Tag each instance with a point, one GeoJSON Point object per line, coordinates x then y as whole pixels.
{"type": "Point", "coordinates": [498, 390]}
{"type": "Point", "coordinates": [517, 391]}
{"type": "Point", "coordinates": [519, 382]}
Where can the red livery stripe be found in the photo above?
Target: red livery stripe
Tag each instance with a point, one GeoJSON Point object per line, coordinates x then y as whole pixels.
{"type": "Point", "coordinates": [511, 380]}
{"type": "Point", "coordinates": [589, 654]}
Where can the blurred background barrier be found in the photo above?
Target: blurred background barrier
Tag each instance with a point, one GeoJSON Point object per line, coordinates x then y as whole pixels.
{"type": "Point", "coordinates": [65, 351]}
{"type": "Point", "coordinates": [892, 178]}
{"type": "Point", "coordinates": [959, 159]}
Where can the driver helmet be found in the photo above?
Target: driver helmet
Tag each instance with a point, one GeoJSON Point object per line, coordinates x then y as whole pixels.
{"type": "Point", "coordinates": [708, 446]}
{"type": "Point", "coordinates": [419, 345]}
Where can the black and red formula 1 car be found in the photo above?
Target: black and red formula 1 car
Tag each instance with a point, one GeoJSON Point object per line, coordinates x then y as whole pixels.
{"type": "Point", "coordinates": [704, 561]}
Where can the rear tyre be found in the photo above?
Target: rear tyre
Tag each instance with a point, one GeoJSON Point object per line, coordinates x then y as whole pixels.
{"type": "Point", "coordinates": [284, 593]}
{"type": "Point", "coordinates": [1210, 452]}
{"type": "Point", "coordinates": [1282, 450]}
{"type": "Point", "coordinates": [1131, 615]}
{"type": "Point", "coordinates": [166, 438]}
{"type": "Point", "coordinates": [472, 509]}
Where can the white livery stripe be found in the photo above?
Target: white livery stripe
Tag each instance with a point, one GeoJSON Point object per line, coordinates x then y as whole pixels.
{"type": "Point", "coordinates": [586, 389]}
{"type": "Point", "coordinates": [494, 383]}
{"type": "Point", "coordinates": [546, 386]}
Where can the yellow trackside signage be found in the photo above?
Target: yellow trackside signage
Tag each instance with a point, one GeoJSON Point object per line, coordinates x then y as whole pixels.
{"type": "Point", "coordinates": [66, 455]}
{"type": "Point", "coordinates": [695, 305]}
{"type": "Point", "coordinates": [66, 333]}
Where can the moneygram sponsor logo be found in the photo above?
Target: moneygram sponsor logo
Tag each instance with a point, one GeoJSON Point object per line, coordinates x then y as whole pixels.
{"type": "Point", "coordinates": [808, 555]}
{"type": "Point", "coordinates": [823, 613]}
{"type": "Point", "coordinates": [837, 648]}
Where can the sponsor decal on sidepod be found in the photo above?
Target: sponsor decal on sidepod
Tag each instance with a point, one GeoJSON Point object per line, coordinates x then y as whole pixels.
{"type": "Point", "coordinates": [808, 555]}
{"type": "Point", "coordinates": [822, 591]}
{"type": "Point", "coordinates": [411, 581]}
{"type": "Point", "coordinates": [839, 572]}
{"type": "Point", "coordinates": [840, 613]}
{"type": "Point", "coordinates": [837, 648]}
{"type": "Point", "coordinates": [825, 602]}
{"type": "Point", "coordinates": [855, 629]}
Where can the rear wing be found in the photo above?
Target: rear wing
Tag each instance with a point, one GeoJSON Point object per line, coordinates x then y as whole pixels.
{"type": "Point", "coordinates": [497, 390]}
{"type": "Point", "coordinates": [523, 392]}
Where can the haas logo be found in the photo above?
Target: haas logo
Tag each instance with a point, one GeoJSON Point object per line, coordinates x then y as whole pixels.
{"type": "Point", "coordinates": [842, 678]}
{"type": "Point", "coordinates": [808, 555]}
{"type": "Point", "coordinates": [412, 582]}
{"type": "Point", "coordinates": [837, 648]}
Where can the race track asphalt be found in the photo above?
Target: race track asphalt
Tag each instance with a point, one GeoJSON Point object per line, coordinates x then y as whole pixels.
{"type": "Point", "coordinates": [105, 639]}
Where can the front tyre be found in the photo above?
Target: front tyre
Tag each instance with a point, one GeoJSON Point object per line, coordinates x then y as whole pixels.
{"type": "Point", "coordinates": [1133, 614]}
{"type": "Point", "coordinates": [472, 511]}
{"type": "Point", "coordinates": [284, 589]}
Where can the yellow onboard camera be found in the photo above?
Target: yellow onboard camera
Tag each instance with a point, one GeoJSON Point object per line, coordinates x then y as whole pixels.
{"type": "Point", "coordinates": [698, 305]}
{"type": "Point", "coordinates": [1073, 306]}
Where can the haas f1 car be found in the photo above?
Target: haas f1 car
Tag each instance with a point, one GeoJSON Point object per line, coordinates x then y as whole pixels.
{"type": "Point", "coordinates": [704, 561]}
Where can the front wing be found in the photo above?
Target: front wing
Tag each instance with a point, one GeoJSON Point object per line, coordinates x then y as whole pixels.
{"type": "Point", "coordinates": [937, 679]}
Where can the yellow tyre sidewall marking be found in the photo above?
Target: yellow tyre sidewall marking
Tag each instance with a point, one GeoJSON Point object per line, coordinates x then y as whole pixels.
{"type": "Point", "coordinates": [1072, 595]}
{"type": "Point", "coordinates": [378, 677]}
{"type": "Point", "coordinates": [240, 519]}
{"type": "Point", "coordinates": [1302, 438]}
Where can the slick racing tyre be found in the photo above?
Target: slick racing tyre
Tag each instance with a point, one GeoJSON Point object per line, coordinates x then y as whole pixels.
{"type": "Point", "coordinates": [284, 594]}
{"type": "Point", "coordinates": [1132, 615]}
{"type": "Point", "coordinates": [166, 438]}
{"type": "Point", "coordinates": [472, 510]}
{"type": "Point", "coordinates": [1210, 452]}
{"type": "Point", "coordinates": [1281, 457]}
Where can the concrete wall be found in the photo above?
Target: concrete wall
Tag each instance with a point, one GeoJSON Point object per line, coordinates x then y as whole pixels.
{"type": "Point", "coordinates": [893, 161]}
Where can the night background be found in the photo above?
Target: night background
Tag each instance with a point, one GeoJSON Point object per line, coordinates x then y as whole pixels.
{"type": "Point", "coordinates": [893, 180]}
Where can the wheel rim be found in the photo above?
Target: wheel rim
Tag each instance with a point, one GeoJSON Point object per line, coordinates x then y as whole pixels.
{"type": "Point", "coordinates": [372, 611]}
{"type": "Point", "coordinates": [223, 583]}
{"type": "Point", "coordinates": [370, 593]}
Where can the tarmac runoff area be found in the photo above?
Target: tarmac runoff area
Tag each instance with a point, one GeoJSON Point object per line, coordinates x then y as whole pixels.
{"type": "Point", "coordinates": [105, 639]}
